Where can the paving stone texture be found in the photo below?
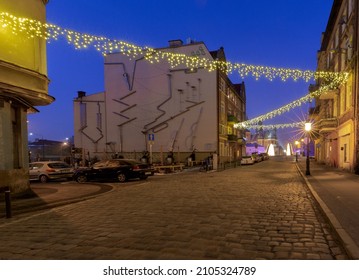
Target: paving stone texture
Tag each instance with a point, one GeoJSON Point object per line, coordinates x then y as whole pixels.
{"type": "Point", "coordinates": [263, 211]}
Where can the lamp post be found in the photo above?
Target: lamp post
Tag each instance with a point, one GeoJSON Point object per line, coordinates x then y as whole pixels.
{"type": "Point", "coordinates": [296, 150]}
{"type": "Point", "coordinates": [42, 144]}
{"type": "Point", "coordinates": [308, 128]}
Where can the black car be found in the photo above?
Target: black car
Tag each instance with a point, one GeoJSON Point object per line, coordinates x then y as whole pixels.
{"type": "Point", "coordinates": [114, 169]}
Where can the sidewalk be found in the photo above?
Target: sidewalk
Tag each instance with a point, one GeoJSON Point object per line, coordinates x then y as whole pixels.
{"type": "Point", "coordinates": [51, 195]}
{"type": "Point", "coordinates": [337, 193]}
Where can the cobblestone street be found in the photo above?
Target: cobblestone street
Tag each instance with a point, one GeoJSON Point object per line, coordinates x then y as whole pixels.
{"type": "Point", "coordinates": [262, 211]}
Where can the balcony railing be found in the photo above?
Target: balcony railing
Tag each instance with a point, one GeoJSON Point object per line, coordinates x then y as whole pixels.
{"type": "Point", "coordinates": [232, 119]}
{"type": "Point", "coordinates": [327, 125]}
{"type": "Point", "coordinates": [330, 94]}
{"type": "Point", "coordinates": [232, 138]}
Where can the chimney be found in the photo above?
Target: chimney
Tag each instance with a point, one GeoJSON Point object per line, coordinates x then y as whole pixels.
{"type": "Point", "coordinates": [175, 43]}
{"type": "Point", "coordinates": [81, 94]}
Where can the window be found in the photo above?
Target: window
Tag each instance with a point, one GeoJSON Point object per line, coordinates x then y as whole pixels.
{"type": "Point", "coordinates": [342, 100]}
{"type": "Point", "coordinates": [222, 130]}
{"type": "Point", "coordinates": [349, 91]}
{"type": "Point", "coordinates": [221, 149]}
{"type": "Point", "coordinates": [223, 112]}
{"type": "Point", "coordinates": [336, 42]}
{"type": "Point", "coordinates": [328, 108]}
{"type": "Point", "coordinates": [58, 165]}
{"type": "Point", "coordinates": [114, 163]}
{"type": "Point", "coordinates": [343, 60]}
{"type": "Point", "coordinates": [350, 7]}
{"type": "Point", "coordinates": [328, 60]}
{"type": "Point", "coordinates": [221, 85]}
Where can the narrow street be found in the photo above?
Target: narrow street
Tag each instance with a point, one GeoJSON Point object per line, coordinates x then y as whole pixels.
{"type": "Point", "coordinates": [263, 211]}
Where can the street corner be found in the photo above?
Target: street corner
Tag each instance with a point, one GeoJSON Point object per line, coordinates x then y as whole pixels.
{"type": "Point", "coordinates": [53, 194]}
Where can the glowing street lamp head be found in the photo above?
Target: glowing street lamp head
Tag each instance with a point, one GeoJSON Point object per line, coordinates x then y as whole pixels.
{"type": "Point", "coordinates": [308, 126]}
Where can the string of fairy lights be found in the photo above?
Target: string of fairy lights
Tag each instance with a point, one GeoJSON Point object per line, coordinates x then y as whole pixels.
{"type": "Point", "coordinates": [274, 126]}
{"type": "Point", "coordinates": [33, 28]}
{"type": "Point", "coordinates": [296, 103]}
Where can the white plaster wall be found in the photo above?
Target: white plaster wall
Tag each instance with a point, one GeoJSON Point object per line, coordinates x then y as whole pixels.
{"type": "Point", "coordinates": [90, 133]}
{"type": "Point", "coordinates": [144, 98]}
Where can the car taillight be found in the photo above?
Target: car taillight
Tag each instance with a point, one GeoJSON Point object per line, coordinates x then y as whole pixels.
{"type": "Point", "coordinates": [50, 170]}
{"type": "Point", "coordinates": [136, 167]}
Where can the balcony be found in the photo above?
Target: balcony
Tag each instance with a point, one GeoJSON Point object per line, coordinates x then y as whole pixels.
{"type": "Point", "coordinates": [232, 138]}
{"type": "Point", "coordinates": [327, 125]}
{"type": "Point", "coordinates": [241, 141]}
{"type": "Point", "coordinates": [330, 94]}
{"type": "Point", "coordinates": [231, 119]}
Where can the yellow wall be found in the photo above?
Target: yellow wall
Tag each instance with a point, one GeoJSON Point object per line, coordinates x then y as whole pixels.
{"type": "Point", "coordinates": [23, 75]}
{"type": "Point", "coordinates": [17, 49]}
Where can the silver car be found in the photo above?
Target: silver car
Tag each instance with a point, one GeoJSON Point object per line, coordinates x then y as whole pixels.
{"type": "Point", "coordinates": [44, 171]}
{"type": "Point", "coordinates": [247, 160]}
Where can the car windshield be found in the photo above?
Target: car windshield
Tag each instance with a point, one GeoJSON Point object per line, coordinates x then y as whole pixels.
{"type": "Point", "coordinates": [113, 163]}
{"type": "Point", "coordinates": [100, 164]}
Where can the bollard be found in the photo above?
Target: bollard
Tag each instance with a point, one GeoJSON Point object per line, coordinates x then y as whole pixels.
{"type": "Point", "coordinates": [8, 204]}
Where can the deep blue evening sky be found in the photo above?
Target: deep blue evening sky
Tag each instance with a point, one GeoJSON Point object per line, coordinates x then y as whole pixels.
{"type": "Point", "coordinates": [279, 33]}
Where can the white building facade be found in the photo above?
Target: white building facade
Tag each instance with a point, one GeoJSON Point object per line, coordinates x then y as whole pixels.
{"type": "Point", "coordinates": [159, 109]}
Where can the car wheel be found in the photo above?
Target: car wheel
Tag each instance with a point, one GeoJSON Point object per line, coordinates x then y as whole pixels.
{"type": "Point", "coordinates": [143, 177]}
{"type": "Point", "coordinates": [121, 177]}
{"type": "Point", "coordinates": [81, 179]}
{"type": "Point", "coordinates": [43, 179]}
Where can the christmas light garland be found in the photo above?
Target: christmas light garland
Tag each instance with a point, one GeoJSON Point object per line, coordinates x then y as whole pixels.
{"type": "Point", "coordinates": [33, 28]}
{"type": "Point", "coordinates": [307, 98]}
{"type": "Point", "coordinates": [274, 126]}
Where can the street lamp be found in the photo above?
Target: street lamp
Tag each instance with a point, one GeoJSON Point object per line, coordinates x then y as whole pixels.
{"type": "Point", "coordinates": [42, 143]}
{"type": "Point", "coordinates": [63, 146]}
{"type": "Point", "coordinates": [308, 128]}
{"type": "Point", "coordinates": [296, 150]}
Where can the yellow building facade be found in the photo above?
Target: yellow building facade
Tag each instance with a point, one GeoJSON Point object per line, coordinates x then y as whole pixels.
{"type": "Point", "coordinates": [336, 111]}
{"type": "Point", "coordinates": [23, 85]}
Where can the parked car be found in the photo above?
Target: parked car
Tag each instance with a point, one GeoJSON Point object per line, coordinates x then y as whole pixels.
{"type": "Point", "coordinates": [114, 169]}
{"type": "Point", "coordinates": [265, 156]}
{"type": "Point", "coordinates": [247, 160]}
{"type": "Point", "coordinates": [260, 157]}
{"type": "Point", "coordinates": [256, 157]}
{"type": "Point", "coordinates": [44, 171]}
